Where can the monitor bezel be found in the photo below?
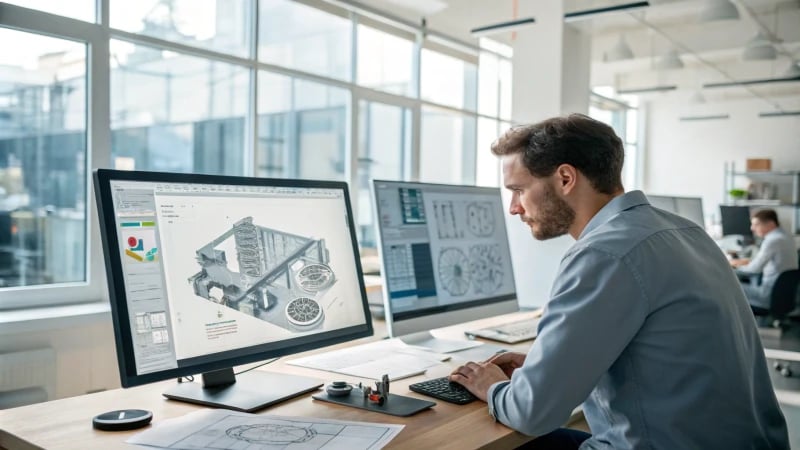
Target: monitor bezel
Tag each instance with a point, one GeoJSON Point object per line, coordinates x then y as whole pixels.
{"type": "Point", "coordinates": [222, 360]}
{"type": "Point", "coordinates": [494, 305]}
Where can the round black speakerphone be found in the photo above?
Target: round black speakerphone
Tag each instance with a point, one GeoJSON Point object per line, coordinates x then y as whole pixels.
{"type": "Point", "coordinates": [339, 389]}
{"type": "Point", "coordinates": [124, 419]}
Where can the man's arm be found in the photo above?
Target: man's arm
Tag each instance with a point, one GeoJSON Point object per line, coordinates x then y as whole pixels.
{"type": "Point", "coordinates": [763, 256]}
{"type": "Point", "coordinates": [596, 308]}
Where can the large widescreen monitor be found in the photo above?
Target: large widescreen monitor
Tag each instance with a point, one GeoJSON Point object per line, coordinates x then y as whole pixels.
{"type": "Point", "coordinates": [209, 272]}
{"type": "Point", "coordinates": [736, 221]}
{"type": "Point", "coordinates": [687, 207]}
{"type": "Point", "coordinates": [444, 252]}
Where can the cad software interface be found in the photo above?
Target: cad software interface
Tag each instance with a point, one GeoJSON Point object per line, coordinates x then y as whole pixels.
{"type": "Point", "coordinates": [442, 246]}
{"type": "Point", "coordinates": [215, 268]}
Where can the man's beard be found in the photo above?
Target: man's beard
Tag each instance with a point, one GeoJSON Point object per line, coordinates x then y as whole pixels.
{"type": "Point", "coordinates": [554, 216]}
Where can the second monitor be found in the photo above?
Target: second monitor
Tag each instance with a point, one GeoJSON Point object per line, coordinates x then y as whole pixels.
{"type": "Point", "coordinates": [445, 254]}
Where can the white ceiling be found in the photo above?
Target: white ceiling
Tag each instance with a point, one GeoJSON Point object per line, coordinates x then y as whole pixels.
{"type": "Point", "coordinates": [711, 52]}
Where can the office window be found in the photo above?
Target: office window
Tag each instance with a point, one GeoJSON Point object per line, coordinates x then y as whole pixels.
{"type": "Point", "coordinates": [384, 144]}
{"type": "Point", "coordinates": [176, 113]}
{"type": "Point", "coordinates": [447, 148]}
{"type": "Point", "coordinates": [76, 9]}
{"type": "Point", "coordinates": [384, 61]}
{"type": "Point", "coordinates": [448, 80]}
{"type": "Point", "coordinates": [302, 128]}
{"type": "Point", "coordinates": [216, 25]}
{"type": "Point", "coordinates": [487, 170]}
{"type": "Point", "coordinates": [304, 38]}
{"type": "Point", "coordinates": [42, 160]}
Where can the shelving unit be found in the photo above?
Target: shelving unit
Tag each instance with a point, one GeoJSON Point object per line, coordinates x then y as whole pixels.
{"type": "Point", "coordinates": [786, 198]}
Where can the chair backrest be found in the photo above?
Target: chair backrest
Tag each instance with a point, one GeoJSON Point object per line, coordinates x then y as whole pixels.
{"type": "Point", "coordinates": [784, 293]}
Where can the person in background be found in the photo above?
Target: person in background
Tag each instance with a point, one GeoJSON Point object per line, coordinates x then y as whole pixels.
{"type": "Point", "coordinates": [776, 255]}
{"type": "Point", "coordinates": [646, 324]}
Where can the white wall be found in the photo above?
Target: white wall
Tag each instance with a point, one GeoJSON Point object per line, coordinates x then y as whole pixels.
{"type": "Point", "coordinates": [687, 157]}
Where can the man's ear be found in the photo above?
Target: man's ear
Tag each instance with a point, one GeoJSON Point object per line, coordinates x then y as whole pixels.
{"type": "Point", "coordinates": [566, 178]}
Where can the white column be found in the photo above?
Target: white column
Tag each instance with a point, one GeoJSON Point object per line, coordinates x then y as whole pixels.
{"type": "Point", "coordinates": [551, 78]}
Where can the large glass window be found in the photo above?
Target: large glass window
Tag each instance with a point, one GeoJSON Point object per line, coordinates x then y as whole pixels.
{"type": "Point", "coordinates": [384, 61]}
{"type": "Point", "coordinates": [42, 160]}
{"type": "Point", "coordinates": [176, 113]}
{"type": "Point", "coordinates": [447, 148]}
{"type": "Point", "coordinates": [302, 128]}
{"type": "Point", "coordinates": [304, 38]}
{"type": "Point", "coordinates": [219, 25]}
{"type": "Point", "coordinates": [384, 144]}
{"type": "Point", "coordinates": [76, 9]}
{"type": "Point", "coordinates": [448, 80]}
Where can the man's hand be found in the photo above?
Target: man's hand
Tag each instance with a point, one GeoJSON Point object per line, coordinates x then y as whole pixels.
{"type": "Point", "coordinates": [736, 263]}
{"type": "Point", "coordinates": [478, 377]}
{"type": "Point", "coordinates": [508, 361]}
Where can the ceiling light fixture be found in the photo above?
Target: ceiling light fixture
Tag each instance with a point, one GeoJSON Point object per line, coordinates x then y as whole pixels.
{"type": "Point", "coordinates": [671, 87]}
{"type": "Point", "coordinates": [714, 10]}
{"type": "Point", "coordinates": [670, 61]}
{"type": "Point", "coordinates": [591, 13]}
{"type": "Point", "coordinates": [511, 25]}
{"type": "Point", "coordinates": [708, 117]}
{"type": "Point", "coordinates": [759, 48]}
{"type": "Point", "coordinates": [779, 114]}
{"type": "Point", "coordinates": [749, 82]}
{"type": "Point", "coordinates": [620, 51]}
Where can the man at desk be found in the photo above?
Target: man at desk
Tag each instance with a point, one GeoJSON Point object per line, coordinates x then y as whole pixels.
{"type": "Point", "coordinates": [776, 255]}
{"type": "Point", "coordinates": [646, 324]}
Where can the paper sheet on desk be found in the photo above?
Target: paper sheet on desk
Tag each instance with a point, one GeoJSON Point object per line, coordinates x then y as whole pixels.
{"type": "Point", "coordinates": [373, 360]}
{"type": "Point", "coordinates": [222, 429]}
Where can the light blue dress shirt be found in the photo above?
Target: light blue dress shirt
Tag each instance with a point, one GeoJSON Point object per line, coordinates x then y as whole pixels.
{"type": "Point", "coordinates": [648, 327]}
{"type": "Point", "coordinates": [776, 255]}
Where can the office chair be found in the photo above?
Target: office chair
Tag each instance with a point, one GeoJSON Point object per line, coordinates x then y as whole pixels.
{"type": "Point", "coordinates": [782, 301]}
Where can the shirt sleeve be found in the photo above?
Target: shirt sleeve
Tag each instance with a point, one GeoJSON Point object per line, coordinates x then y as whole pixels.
{"type": "Point", "coordinates": [597, 305]}
{"type": "Point", "coordinates": [763, 256]}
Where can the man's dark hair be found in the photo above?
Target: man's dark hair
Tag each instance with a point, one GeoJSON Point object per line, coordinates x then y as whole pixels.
{"type": "Point", "coordinates": [589, 145]}
{"type": "Point", "coordinates": [766, 215]}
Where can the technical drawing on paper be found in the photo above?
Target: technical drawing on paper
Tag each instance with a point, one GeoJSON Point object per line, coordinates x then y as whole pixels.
{"type": "Point", "coordinates": [218, 429]}
{"type": "Point", "coordinates": [281, 277]}
{"type": "Point", "coordinates": [454, 271]}
{"type": "Point", "coordinates": [486, 267]}
{"type": "Point", "coordinates": [446, 225]}
{"type": "Point", "coordinates": [271, 434]}
{"type": "Point", "coordinates": [480, 219]}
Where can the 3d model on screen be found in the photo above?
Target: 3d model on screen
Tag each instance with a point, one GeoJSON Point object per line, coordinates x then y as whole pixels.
{"type": "Point", "coordinates": [280, 277]}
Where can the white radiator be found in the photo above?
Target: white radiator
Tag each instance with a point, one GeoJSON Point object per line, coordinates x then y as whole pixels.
{"type": "Point", "coordinates": [27, 377]}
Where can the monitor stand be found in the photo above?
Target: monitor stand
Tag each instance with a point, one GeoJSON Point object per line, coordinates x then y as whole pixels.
{"type": "Point", "coordinates": [246, 392]}
{"type": "Point", "coordinates": [428, 341]}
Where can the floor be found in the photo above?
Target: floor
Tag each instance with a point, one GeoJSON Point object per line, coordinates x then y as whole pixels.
{"type": "Point", "coordinates": [787, 389]}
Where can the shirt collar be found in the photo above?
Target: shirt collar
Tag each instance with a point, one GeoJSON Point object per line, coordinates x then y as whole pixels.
{"type": "Point", "coordinates": [615, 206]}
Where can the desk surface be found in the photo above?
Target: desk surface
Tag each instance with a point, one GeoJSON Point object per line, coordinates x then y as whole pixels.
{"type": "Point", "coordinates": [66, 423]}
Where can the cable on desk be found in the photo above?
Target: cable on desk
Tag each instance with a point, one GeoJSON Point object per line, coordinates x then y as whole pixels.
{"type": "Point", "coordinates": [256, 367]}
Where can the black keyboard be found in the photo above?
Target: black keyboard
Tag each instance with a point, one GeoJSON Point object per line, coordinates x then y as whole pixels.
{"type": "Point", "coordinates": [444, 389]}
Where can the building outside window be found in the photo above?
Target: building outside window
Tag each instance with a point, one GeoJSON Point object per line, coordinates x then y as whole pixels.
{"type": "Point", "coordinates": [186, 86]}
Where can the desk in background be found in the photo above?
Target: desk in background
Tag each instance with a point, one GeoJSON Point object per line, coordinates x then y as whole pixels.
{"type": "Point", "coordinates": [66, 423]}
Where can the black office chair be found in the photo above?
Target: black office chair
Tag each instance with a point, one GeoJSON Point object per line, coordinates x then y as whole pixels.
{"type": "Point", "coordinates": [782, 301]}
{"type": "Point", "coordinates": [783, 296]}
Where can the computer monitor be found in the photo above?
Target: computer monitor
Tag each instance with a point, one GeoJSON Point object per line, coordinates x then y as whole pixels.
{"type": "Point", "coordinates": [444, 252]}
{"type": "Point", "coordinates": [736, 220]}
{"type": "Point", "coordinates": [209, 272]}
{"type": "Point", "coordinates": [687, 207]}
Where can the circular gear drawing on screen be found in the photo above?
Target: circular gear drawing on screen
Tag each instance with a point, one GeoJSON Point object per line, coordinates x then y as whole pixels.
{"type": "Point", "coordinates": [304, 312]}
{"type": "Point", "coordinates": [314, 277]}
{"type": "Point", "coordinates": [480, 219]}
{"type": "Point", "coordinates": [454, 271]}
{"type": "Point", "coordinates": [486, 266]}
{"type": "Point", "coordinates": [271, 434]}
